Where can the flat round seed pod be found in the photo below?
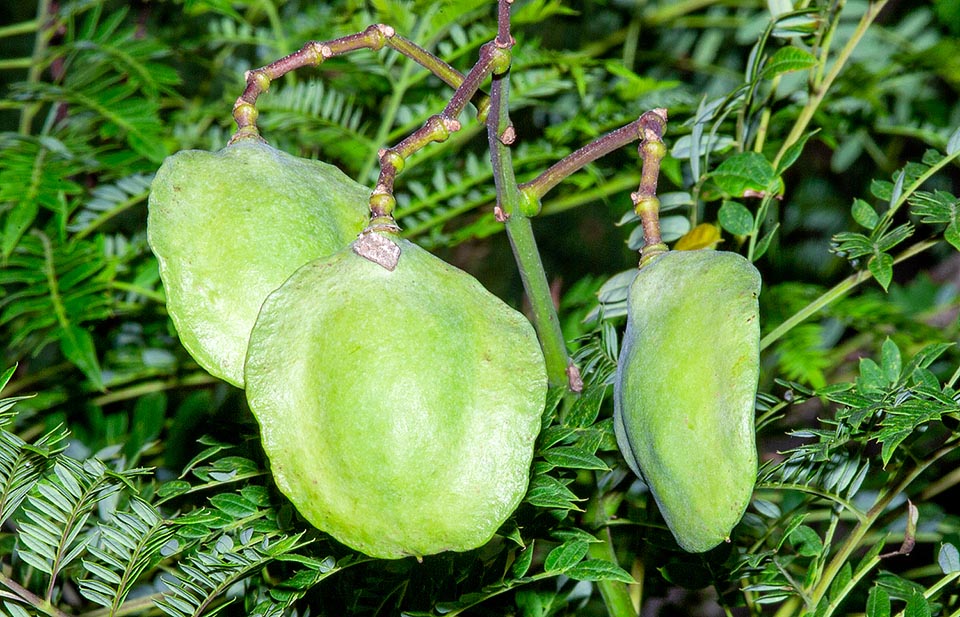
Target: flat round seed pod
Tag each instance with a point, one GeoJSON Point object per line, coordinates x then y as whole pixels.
{"type": "Point", "coordinates": [398, 409]}
{"type": "Point", "coordinates": [685, 390]}
{"type": "Point", "coordinates": [229, 227]}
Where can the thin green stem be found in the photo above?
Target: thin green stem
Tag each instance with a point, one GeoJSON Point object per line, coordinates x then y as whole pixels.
{"type": "Point", "coordinates": [789, 607]}
{"type": "Point", "coordinates": [560, 371]}
{"type": "Point", "coordinates": [910, 190]}
{"type": "Point", "coordinates": [50, 271]}
{"type": "Point", "coordinates": [544, 314]}
{"type": "Point", "coordinates": [136, 606]}
{"type": "Point", "coordinates": [934, 589]}
{"type": "Point", "coordinates": [825, 41]}
{"type": "Point", "coordinates": [758, 224]}
{"type": "Point", "coordinates": [276, 25]}
{"type": "Point", "coordinates": [930, 593]}
{"type": "Point", "coordinates": [954, 378]}
{"type": "Point", "coordinates": [672, 10]}
{"type": "Point", "coordinates": [16, 64]}
{"type": "Point", "coordinates": [24, 27]}
{"type": "Point", "coordinates": [856, 535]}
{"type": "Point", "coordinates": [156, 296]}
{"type": "Point", "coordinates": [835, 293]}
{"type": "Point", "coordinates": [820, 89]}
{"type": "Point", "coordinates": [45, 32]}
{"type": "Point", "coordinates": [103, 217]}
{"type": "Point", "coordinates": [813, 490]}
{"type": "Point", "coordinates": [616, 595]}
{"type": "Point", "coordinates": [197, 379]}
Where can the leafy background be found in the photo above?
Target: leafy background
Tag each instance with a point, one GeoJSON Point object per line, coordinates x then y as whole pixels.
{"type": "Point", "coordinates": [821, 136]}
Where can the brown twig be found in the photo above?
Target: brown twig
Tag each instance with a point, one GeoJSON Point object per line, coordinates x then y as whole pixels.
{"type": "Point", "coordinates": [645, 201]}
{"type": "Point", "coordinates": [314, 53]}
{"type": "Point", "coordinates": [493, 59]}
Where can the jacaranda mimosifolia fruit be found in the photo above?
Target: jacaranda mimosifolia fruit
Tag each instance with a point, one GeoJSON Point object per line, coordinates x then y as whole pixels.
{"type": "Point", "coordinates": [398, 408]}
{"type": "Point", "coordinates": [229, 227]}
{"type": "Point", "coordinates": [686, 386]}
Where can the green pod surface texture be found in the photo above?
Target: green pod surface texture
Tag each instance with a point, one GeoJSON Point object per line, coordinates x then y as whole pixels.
{"type": "Point", "coordinates": [399, 409]}
{"type": "Point", "coordinates": [685, 390]}
{"type": "Point", "coordinates": [228, 227]}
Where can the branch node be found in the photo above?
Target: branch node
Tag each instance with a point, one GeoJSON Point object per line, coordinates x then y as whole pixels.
{"type": "Point", "coordinates": [392, 158]}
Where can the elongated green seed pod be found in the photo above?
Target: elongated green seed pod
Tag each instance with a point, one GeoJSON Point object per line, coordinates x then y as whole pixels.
{"type": "Point", "coordinates": [685, 390]}
{"type": "Point", "coordinates": [228, 227]}
{"type": "Point", "coordinates": [398, 404]}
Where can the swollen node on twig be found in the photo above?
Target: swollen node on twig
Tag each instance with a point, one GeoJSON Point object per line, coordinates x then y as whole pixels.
{"type": "Point", "coordinates": [382, 203]}
{"type": "Point", "coordinates": [391, 158]}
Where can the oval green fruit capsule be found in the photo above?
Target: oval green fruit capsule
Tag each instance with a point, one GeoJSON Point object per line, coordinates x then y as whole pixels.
{"type": "Point", "coordinates": [398, 407]}
{"type": "Point", "coordinates": [229, 227]}
{"type": "Point", "coordinates": [685, 390]}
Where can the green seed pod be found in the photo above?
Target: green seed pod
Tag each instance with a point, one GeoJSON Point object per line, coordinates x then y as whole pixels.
{"type": "Point", "coordinates": [229, 227]}
{"type": "Point", "coordinates": [398, 407]}
{"type": "Point", "coordinates": [685, 390]}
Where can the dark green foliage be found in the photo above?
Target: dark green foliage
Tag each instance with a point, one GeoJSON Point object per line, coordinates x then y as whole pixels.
{"type": "Point", "coordinates": [823, 144]}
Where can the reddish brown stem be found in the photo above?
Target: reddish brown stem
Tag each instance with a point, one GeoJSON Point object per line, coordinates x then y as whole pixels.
{"type": "Point", "coordinates": [493, 59]}
{"type": "Point", "coordinates": [311, 54]}
{"type": "Point", "coordinates": [645, 201]}
{"type": "Point", "coordinates": [314, 53]}
{"type": "Point", "coordinates": [542, 184]}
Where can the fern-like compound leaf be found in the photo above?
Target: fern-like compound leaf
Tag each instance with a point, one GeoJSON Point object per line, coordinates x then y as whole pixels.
{"type": "Point", "coordinates": [54, 522]}
{"type": "Point", "coordinates": [127, 546]}
{"type": "Point", "coordinates": [22, 464]}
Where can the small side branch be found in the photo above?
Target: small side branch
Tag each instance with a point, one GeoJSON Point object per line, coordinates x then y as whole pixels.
{"type": "Point", "coordinates": [314, 53]}
{"type": "Point", "coordinates": [509, 210]}
{"type": "Point", "coordinates": [493, 60]}
{"type": "Point", "coordinates": [645, 201]}
{"type": "Point", "coordinates": [534, 190]}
